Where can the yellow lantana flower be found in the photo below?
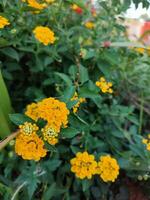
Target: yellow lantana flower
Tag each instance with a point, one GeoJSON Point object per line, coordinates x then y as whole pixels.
{"type": "Point", "coordinates": [104, 85]}
{"type": "Point", "coordinates": [30, 147]}
{"type": "Point", "coordinates": [50, 135]}
{"type": "Point", "coordinates": [83, 165]}
{"type": "Point", "coordinates": [28, 128]}
{"type": "Point", "coordinates": [147, 142]}
{"type": "Point", "coordinates": [3, 22]}
{"type": "Point", "coordinates": [80, 100]}
{"type": "Point", "coordinates": [108, 168]}
{"type": "Point", "coordinates": [35, 4]}
{"type": "Point", "coordinates": [89, 25]}
{"type": "Point", "coordinates": [44, 35]}
{"type": "Point", "coordinates": [52, 110]}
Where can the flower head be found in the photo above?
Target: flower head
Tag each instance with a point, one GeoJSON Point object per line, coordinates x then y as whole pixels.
{"type": "Point", "coordinates": [147, 142]}
{"type": "Point", "coordinates": [3, 22]}
{"type": "Point", "coordinates": [35, 4]}
{"type": "Point", "coordinates": [104, 85]}
{"type": "Point", "coordinates": [44, 35]}
{"type": "Point", "coordinates": [89, 25]}
{"type": "Point", "coordinates": [80, 100]}
{"type": "Point", "coordinates": [50, 135]}
{"type": "Point", "coordinates": [83, 165]}
{"type": "Point", "coordinates": [77, 9]}
{"type": "Point", "coordinates": [28, 128]}
{"type": "Point", "coordinates": [108, 168]}
{"type": "Point", "coordinates": [30, 147]}
{"type": "Point", "coordinates": [53, 111]}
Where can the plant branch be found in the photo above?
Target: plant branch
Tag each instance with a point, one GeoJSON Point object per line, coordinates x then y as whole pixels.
{"type": "Point", "coordinates": [4, 142]}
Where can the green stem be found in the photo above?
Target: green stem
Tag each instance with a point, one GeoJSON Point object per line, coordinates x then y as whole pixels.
{"type": "Point", "coordinates": [141, 114]}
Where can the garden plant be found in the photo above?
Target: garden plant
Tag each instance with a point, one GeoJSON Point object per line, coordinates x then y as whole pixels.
{"type": "Point", "coordinates": [74, 102]}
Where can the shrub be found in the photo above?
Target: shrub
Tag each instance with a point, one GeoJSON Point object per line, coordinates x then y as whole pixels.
{"type": "Point", "coordinates": [83, 97]}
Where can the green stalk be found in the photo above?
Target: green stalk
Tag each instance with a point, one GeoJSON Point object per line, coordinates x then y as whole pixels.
{"type": "Point", "coordinates": [5, 109]}
{"type": "Point", "coordinates": [141, 113]}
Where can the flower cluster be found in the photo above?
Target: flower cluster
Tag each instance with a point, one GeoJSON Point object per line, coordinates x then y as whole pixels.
{"type": "Point", "coordinates": [50, 135]}
{"type": "Point", "coordinates": [108, 168]}
{"type": "Point", "coordinates": [104, 85]}
{"type": "Point", "coordinates": [89, 25]}
{"type": "Point", "coordinates": [28, 128]}
{"type": "Point", "coordinates": [55, 113]}
{"type": "Point", "coordinates": [77, 9]}
{"type": "Point", "coordinates": [147, 142]}
{"type": "Point", "coordinates": [51, 110]}
{"type": "Point", "coordinates": [85, 166]}
{"type": "Point", "coordinates": [3, 22]}
{"type": "Point", "coordinates": [141, 50]}
{"type": "Point", "coordinates": [44, 35]}
{"type": "Point", "coordinates": [38, 6]}
{"type": "Point", "coordinates": [80, 100]}
{"type": "Point", "coordinates": [28, 144]}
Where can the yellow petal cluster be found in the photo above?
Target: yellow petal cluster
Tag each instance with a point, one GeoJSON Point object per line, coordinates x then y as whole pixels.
{"type": "Point", "coordinates": [50, 135]}
{"type": "Point", "coordinates": [53, 111]}
{"type": "Point", "coordinates": [39, 6]}
{"type": "Point", "coordinates": [104, 86]}
{"type": "Point", "coordinates": [44, 35]}
{"type": "Point", "coordinates": [35, 4]}
{"type": "Point", "coordinates": [147, 142]}
{"type": "Point", "coordinates": [32, 111]}
{"type": "Point", "coordinates": [80, 100]}
{"type": "Point", "coordinates": [89, 25]}
{"type": "Point", "coordinates": [83, 165]}
{"type": "Point", "coordinates": [108, 168]}
{"type": "Point", "coordinates": [3, 22]}
{"type": "Point", "coordinates": [143, 50]}
{"type": "Point", "coordinates": [30, 147]}
{"type": "Point", "coordinates": [74, 6]}
{"type": "Point", "coordinates": [28, 128]}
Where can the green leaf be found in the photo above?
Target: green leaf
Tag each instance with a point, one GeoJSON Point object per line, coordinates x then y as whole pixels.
{"type": "Point", "coordinates": [19, 119]}
{"type": "Point", "coordinates": [65, 78]}
{"type": "Point", "coordinates": [4, 125]}
{"type": "Point", "coordinates": [68, 94]}
{"type": "Point", "coordinates": [10, 52]}
{"type": "Point", "coordinates": [73, 71]}
{"type": "Point", "coordinates": [32, 186]}
{"type": "Point", "coordinates": [86, 93]}
{"type": "Point", "coordinates": [89, 54]}
{"type": "Point", "coordinates": [69, 132]}
{"type": "Point", "coordinates": [83, 74]}
{"type": "Point", "coordinates": [52, 165]}
{"type": "Point", "coordinates": [50, 192]}
{"type": "Point", "coordinates": [86, 184]}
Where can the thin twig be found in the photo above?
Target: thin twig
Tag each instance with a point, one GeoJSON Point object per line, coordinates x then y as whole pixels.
{"type": "Point", "coordinates": [4, 142]}
{"type": "Point", "coordinates": [18, 190]}
{"type": "Point", "coordinates": [25, 183]}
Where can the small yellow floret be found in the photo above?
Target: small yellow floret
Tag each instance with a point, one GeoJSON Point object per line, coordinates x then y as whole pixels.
{"type": "Point", "coordinates": [104, 85]}
{"type": "Point", "coordinates": [83, 165]}
{"type": "Point", "coordinates": [3, 22]}
{"type": "Point", "coordinates": [80, 100]}
{"type": "Point", "coordinates": [44, 35]}
{"type": "Point", "coordinates": [108, 168]}
{"type": "Point", "coordinates": [89, 25]}
{"type": "Point", "coordinates": [30, 147]}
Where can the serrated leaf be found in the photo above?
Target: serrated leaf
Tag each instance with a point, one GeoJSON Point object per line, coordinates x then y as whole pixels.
{"type": "Point", "coordinates": [83, 74]}
{"type": "Point", "coordinates": [69, 132]}
{"type": "Point", "coordinates": [10, 52]}
{"type": "Point", "coordinates": [19, 119]}
{"type": "Point", "coordinates": [65, 78]}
